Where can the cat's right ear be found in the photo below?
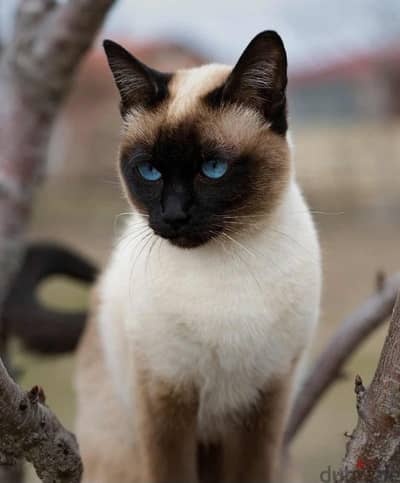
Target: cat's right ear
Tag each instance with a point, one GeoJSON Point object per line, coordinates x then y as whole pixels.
{"type": "Point", "coordinates": [138, 84]}
{"type": "Point", "coordinates": [259, 79]}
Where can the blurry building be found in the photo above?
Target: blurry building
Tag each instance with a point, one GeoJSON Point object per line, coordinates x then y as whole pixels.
{"type": "Point", "coordinates": [344, 119]}
{"type": "Point", "coordinates": [361, 86]}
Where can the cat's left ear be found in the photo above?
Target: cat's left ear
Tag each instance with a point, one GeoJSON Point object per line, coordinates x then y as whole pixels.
{"type": "Point", "coordinates": [138, 84]}
{"type": "Point", "coordinates": [259, 79]}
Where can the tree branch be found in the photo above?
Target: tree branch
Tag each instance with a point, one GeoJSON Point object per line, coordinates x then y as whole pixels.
{"type": "Point", "coordinates": [38, 327]}
{"type": "Point", "coordinates": [30, 430]}
{"type": "Point", "coordinates": [36, 72]}
{"type": "Point", "coordinates": [349, 336]}
{"type": "Point", "coordinates": [373, 451]}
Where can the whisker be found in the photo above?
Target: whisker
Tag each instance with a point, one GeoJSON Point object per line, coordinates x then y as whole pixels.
{"type": "Point", "coordinates": [117, 219]}
{"type": "Point", "coordinates": [145, 241]}
{"type": "Point", "coordinates": [237, 255]}
{"type": "Point", "coordinates": [238, 243]}
{"type": "Point", "coordinates": [289, 237]}
{"type": "Point", "coordinates": [269, 260]}
{"type": "Point", "coordinates": [318, 212]}
{"type": "Point", "coordinates": [142, 213]}
{"type": "Point", "coordinates": [154, 241]}
{"type": "Point", "coordinates": [133, 233]}
{"type": "Point", "coordinates": [242, 223]}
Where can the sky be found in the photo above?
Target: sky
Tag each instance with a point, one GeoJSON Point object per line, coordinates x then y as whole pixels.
{"type": "Point", "coordinates": [314, 31]}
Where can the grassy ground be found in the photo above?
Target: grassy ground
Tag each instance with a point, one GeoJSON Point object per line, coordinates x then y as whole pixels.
{"type": "Point", "coordinates": [354, 246]}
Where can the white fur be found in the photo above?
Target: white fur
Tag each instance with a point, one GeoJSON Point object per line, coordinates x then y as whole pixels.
{"type": "Point", "coordinates": [227, 316]}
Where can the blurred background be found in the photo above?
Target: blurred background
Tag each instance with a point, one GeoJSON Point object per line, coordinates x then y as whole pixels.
{"type": "Point", "coordinates": [344, 104]}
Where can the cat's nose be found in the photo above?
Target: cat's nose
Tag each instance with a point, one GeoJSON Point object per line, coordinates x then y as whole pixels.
{"type": "Point", "coordinates": [176, 220]}
{"type": "Point", "coordinates": [174, 213]}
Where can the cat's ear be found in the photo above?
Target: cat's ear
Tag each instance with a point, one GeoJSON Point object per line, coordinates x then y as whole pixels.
{"type": "Point", "coordinates": [259, 79]}
{"type": "Point", "coordinates": [138, 84]}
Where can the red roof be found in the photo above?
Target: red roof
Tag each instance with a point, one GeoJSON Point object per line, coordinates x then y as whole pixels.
{"type": "Point", "coordinates": [352, 67]}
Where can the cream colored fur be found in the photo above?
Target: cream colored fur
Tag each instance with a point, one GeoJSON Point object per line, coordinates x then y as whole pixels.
{"type": "Point", "coordinates": [227, 317]}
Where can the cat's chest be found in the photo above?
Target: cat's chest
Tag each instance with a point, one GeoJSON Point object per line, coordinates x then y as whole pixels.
{"type": "Point", "coordinates": [225, 344]}
{"type": "Point", "coordinates": [211, 330]}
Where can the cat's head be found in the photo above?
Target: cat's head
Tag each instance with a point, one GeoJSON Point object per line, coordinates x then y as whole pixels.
{"type": "Point", "coordinates": [204, 151]}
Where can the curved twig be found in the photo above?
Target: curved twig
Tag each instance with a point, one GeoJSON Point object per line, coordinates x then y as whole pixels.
{"type": "Point", "coordinates": [352, 332]}
{"type": "Point", "coordinates": [39, 328]}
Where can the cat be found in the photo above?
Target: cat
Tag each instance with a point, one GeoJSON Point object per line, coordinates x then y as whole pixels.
{"type": "Point", "coordinates": [203, 317]}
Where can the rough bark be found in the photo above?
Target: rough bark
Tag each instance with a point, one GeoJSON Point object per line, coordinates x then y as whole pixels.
{"type": "Point", "coordinates": [373, 450]}
{"type": "Point", "coordinates": [329, 364]}
{"type": "Point", "coordinates": [36, 71]}
{"type": "Point", "coordinates": [11, 474]}
{"type": "Point", "coordinates": [30, 430]}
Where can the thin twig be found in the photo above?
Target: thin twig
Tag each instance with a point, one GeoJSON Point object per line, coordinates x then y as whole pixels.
{"type": "Point", "coordinates": [328, 366]}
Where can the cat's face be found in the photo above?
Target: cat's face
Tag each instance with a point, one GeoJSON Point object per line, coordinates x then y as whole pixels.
{"type": "Point", "coordinates": [204, 153]}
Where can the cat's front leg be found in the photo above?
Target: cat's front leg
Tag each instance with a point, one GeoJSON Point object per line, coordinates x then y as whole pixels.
{"type": "Point", "coordinates": [167, 432]}
{"type": "Point", "coordinates": [252, 446]}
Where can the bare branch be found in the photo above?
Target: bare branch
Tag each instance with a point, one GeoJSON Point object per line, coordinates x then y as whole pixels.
{"type": "Point", "coordinates": [29, 429]}
{"type": "Point", "coordinates": [38, 327]}
{"type": "Point", "coordinates": [51, 39]}
{"type": "Point", "coordinates": [11, 474]}
{"type": "Point", "coordinates": [36, 71]}
{"type": "Point", "coordinates": [373, 451]}
{"type": "Point", "coordinates": [349, 336]}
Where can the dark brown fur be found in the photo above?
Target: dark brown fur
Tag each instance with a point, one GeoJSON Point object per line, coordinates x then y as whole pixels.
{"type": "Point", "coordinates": [242, 132]}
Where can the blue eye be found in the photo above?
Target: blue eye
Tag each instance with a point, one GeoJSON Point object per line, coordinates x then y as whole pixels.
{"type": "Point", "coordinates": [148, 171]}
{"type": "Point", "coordinates": [214, 168]}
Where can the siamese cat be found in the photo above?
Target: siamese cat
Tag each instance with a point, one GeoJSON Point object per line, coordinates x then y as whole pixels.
{"type": "Point", "coordinates": [204, 314]}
